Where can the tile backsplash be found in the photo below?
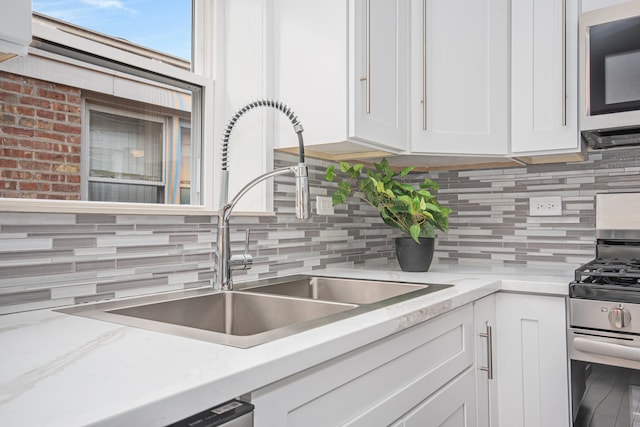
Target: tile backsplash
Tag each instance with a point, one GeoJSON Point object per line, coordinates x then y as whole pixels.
{"type": "Point", "coordinates": [49, 260]}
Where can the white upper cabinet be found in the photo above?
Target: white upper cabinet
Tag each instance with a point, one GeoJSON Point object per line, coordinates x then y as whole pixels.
{"type": "Point", "coordinates": [459, 77]}
{"type": "Point", "coordinates": [310, 69]}
{"type": "Point", "coordinates": [544, 73]}
{"type": "Point", "coordinates": [342, 67]}
{"type": "Point", "coordinates": [380, 75]}
{"type": "Point", "coordinates": [15, 28]}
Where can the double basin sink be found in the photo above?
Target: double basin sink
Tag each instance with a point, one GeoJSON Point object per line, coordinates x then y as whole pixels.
{"type": "Point", "coordinates": [257, 313]}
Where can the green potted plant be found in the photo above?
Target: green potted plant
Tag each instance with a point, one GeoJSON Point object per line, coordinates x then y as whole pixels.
{"type": "Point", "coordinates": [414, 211]}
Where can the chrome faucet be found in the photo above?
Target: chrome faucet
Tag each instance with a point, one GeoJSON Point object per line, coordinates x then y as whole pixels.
{"type": "Point", "coordinates": [227, 262]}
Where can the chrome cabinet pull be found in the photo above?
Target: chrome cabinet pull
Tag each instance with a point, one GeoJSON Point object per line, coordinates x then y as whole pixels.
{"type": "Point", "coordinates": [424, 64]}
{"type": "Point", "coordinates": [367, 77]}
{"type": "Point", "coordinates": [489, 336]}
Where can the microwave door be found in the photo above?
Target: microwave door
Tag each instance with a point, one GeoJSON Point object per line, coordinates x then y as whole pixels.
{"type": "Point", "coordinates": [614, 68]}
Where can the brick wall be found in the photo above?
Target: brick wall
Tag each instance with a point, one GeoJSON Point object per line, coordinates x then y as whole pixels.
{"type": "Point", "coordinates": [40, 127]}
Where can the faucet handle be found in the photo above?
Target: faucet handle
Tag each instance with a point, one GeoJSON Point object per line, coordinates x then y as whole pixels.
{"type": "Point", "coordinates": [244, 261]}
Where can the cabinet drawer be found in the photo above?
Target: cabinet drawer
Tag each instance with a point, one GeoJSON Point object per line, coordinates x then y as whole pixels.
{"type": "Point", "coordinates": [374, 385]}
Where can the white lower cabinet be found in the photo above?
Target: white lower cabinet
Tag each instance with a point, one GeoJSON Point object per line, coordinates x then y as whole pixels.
{"type": "Point", "coordinates": [500, 361]}
{"type": "Point", "coordinates": [532, 359]}
{"type": "Point", "coordinates": [453, 405]}
{"type": "Point", "coordinates": [424, 372]}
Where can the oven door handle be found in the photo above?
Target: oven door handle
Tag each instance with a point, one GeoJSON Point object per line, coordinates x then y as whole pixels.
{"type": "Point", "coordinates": [607, 349]}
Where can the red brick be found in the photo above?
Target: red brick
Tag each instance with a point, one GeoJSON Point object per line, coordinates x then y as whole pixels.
{"type": "Point", "coordinates": [50, 94]}
{"type": "Point", "coordinates": [34, 166]}
{"type": "Point", "coordinates": [25, 111]}
{"type": "Point", "coordinates": [65, 128]}
{"type": "Point", "coordinates": [27, 100]}
{"type": "Point", "coordinates": [45, 114]}
{"type": "Point", "coordinates": [42, 124]}
{"type": "Point", "coordinates": [67, 168]}
{"type": "Point", "coordinates": [75, 142]}
{"type": "Point", "coordinates": [9, 185]}
{"type": "Point", "coordinates": [21, 175]}
{"type": "Point", "coordinates": [16, 154]}
{"type": "Point", "coordinates": [49, 157]}
{"type": "Point", "coordinates": [67, 108]}
{"type": "Point", "coordinates": [7, 119]}
{"type": "Point", "coordinates": [36, 144]}
{"type": "Point", "coordinates": [8, 164]}
{"type": "Point", "coordinates": [65, 188]}
{"type": "Point", "coordinates": [10, 86]}
{"type": "Point", "coordinates": [27, 122]}
{"type": "Point", "coordinates": [73, 98]}
{"type": "Point", "coordinates": [9, 98]}
{"type": "Point", "coordinates": [49, 135]}
{"type": "Point", "coordinates": [28, 186]}
{"type": "Point", "coordinates": [17, 131]}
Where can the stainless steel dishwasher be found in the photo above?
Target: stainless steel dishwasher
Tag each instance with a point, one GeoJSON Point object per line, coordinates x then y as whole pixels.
{"type": "Point", "coordinates": [234, 413]}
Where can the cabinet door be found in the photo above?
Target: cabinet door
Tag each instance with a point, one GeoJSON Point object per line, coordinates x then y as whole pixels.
{"type": "Point", "coordinates": [532, 355]}
{"type": "Point", "coordinates": [380, 72]}
{"type": "Point", "coordinates": [544, 72]}
{"type": "Point", "coordinates": [484, 316]}
{"type": "Point", "coordinates": [452, 406]}
{"type": "Point", "coordinates": [310, 69]}
{"type": "Point", "coordinates": [459, 76]}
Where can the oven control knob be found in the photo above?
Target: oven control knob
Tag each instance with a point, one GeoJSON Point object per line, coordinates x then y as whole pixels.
{"type": "Point", "coordinates": [619, 317]}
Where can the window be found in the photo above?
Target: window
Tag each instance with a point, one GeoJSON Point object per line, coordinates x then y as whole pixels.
{"type": "Point", "coordinates": [138, 158]}
{"type": "Point", "coordinates": [94, 117]}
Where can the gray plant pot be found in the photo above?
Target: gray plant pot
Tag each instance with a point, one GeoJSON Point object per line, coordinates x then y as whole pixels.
{"type": "Point", "coordinates": [413, 256]}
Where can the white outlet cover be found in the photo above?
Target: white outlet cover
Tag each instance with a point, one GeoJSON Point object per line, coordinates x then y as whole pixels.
{"type": "Point", "coordinates": [545, 206]}
{"type": "Point", "coordinates": [324, 205]}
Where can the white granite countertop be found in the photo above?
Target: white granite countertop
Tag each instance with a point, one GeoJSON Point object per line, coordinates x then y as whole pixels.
{"type": "Point", "coordinates": [63, 370]}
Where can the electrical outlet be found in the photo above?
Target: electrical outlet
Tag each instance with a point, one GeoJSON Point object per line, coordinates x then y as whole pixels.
{"type": "Point", "coordinates": [324, 205]}
{"type": "Point", "coordinates": [545, 206]}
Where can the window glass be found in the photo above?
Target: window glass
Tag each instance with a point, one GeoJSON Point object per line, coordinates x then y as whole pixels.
{"type": "Point", "coordinates": [78, 126]}
{"type": "Point", "coordinates": [162, 25]}
{"type": "Point", "coordinates": [126, 156]}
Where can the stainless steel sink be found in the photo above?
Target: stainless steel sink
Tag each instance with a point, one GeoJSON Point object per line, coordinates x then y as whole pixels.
{"type": "Point", "coordinates": [344, 290]}
{"type": "Point", "coordinates": [232, 318]}
{"type": "Point", "coordinates": [258, 313]}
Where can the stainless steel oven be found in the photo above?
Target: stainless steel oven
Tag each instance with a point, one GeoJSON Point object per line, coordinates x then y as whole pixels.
{"type": "Point", "coordinates": [604, 320]}
{"type": "Point", "coordinates": [610, 75]}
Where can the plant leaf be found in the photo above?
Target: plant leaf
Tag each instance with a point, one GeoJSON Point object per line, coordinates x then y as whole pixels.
{"type": "Point", "coordinates": [330, 174]}
{"type": "Point", "coordinates": [414, 230]}
{"type": "Point", "coordinates": [405, 171]}
{"type": "Point", "coordinates": [338, 197]}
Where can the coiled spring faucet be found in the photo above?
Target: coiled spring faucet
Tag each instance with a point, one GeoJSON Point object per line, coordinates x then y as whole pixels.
{"type": "Point", "coordinates": [227, 262]}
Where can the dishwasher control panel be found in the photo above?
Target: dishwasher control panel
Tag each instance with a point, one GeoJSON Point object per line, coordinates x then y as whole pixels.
{"type": "Point", "coordinates": [234, 413]}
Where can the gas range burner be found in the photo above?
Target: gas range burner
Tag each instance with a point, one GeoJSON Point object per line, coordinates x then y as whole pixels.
{"type": "Point", "coordinates": [608, 279]}
{"type": "Point", "coordinates": [611, 271]}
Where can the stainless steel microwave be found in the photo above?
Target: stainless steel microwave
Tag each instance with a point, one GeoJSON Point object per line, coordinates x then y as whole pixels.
{"type": "Point", "coordinates": [610, 74]}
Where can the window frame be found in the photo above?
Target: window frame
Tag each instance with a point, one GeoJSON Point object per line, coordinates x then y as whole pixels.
{"type": "Point", "coordinates": [46, 36]}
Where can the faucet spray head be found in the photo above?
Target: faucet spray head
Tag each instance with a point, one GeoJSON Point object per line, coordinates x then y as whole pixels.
{"type": "Point", "coordinates": [303, 208]}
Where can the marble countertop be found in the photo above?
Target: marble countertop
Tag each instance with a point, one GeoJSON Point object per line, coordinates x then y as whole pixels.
{"type": "Point", "coordinates": [63, 370]}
